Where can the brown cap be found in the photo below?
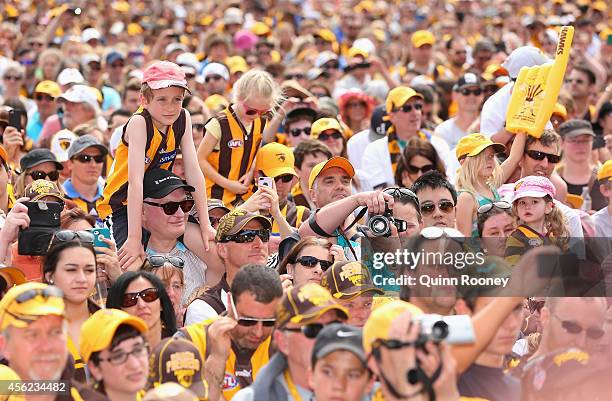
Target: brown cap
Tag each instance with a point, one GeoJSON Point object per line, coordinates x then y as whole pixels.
{"type": "Point", "coordinates": [305, 304]}
{"type": "Point", "coordinates": [347, 280]}
{"type": "Point", "coordinates": [178, 360]}
{"type": "Point", "coordinates": [235, 221]}
{"type": "Point", "coordinates": [42, 188]}
{"type": "Point", "coordinates": [213, 203]}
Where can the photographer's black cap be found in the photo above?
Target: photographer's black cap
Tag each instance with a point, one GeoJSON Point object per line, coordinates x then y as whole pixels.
{"type": "Point", "coordinates": [38, 156]}
{"type": "Point", "coordinates": [338, 337]}
{"type": "Point", "coordinates": [159, 183]}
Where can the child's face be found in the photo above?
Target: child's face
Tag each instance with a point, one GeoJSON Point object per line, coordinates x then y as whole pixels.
{"type": "Point", "coordinates": [254, 107]}
{"type": "Point", "coordinates": [606, 190]}
{"type": "Point", "coordinates": [339, 376]}
{"type": "Point", "coordinates": [532, 210]}
{"type": "Point", "coordinates": [165, 106]}
{"type": "Point", "coordinates": [488, 163]}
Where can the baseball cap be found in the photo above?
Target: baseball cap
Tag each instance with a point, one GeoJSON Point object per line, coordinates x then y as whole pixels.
{"type": "Point", "coordinates": [179, 361]}
{"type": "Point", "coordinates": [398, 96]}
{"type": "Point", "coordinates": [379, 323]}
{"type": "Point", "coordinates": [467, 80]}
{"type": "Point", "coordinates": [421, 38]}
{"type": "Point", "coordinates": [90, 34]}
{"type": "Point", "coordinates": [113, 56]}
{"type": "Point", "coordinates": [38, 156]}
{"type": "Point", "coordinates": [235, 221]}
{"type": "Point", "coordinates": [189, 60]}
{"type": "Point", "coordinates": [260, 28]}
{"type": "Point", "coordinates": [216, 69]}
{"type": "Point", "coordinates": [60, 143]}
{"type": "Point", "coordinates": [336, 161]}
{"type": "Point", "coordinates": [573, 128]}
{"type": "Point", "coordinates": [305, 304]}
{"type": "Point", "coordinates": [81, 94]}
{"type": "Point", "coordinates": [275, 160]}
{"type": "Point", "coordinates": [245, 40]}
{"type": "Point", "coordinates": [605, 171]}
{"type": "Point", "coordinates": [338, 337]}
{"type": "Point", "coordinates": [12, 275]}
{"type": "Point", "coordinates": [170, 392]}
{"type": "Point", "coordinates": [474, 144]}
{"type": "Point", "coordinates": [378, 124]}
{"type": "Point", "coordinates": [158, 183]}
{"type": "Point", "coordinates": [236, 64]}
{"type": "Point", "coordinates": [526, 56]}
{"type": "Point", "coordinates": [99, 329]}
{"type": "Point", "coordinates": [302, 112]}
{"type": "Point", "coordinates": [84, 142]}
{"type": "Point", "coordinates": [40, 189]}
{"type": "Point", "coordinates": [176, 46]}
{"type": "Point", "coordinates": [164, 74]}
{"type": "Point", "coordinates": [213, 203]}
{"type": "Point", "coordinates": [324, 58]}
{"type": "Point", "coordinates": [560, 110]}
{"type": "Point", "coordinates": [51, 88]}
{"type": "Point", "coordinates": [355, 51]}
{"type": "Point", "coordinates": [70, 76]}
{"type": "Point", "coordinates": [348, 280]}
{"type": "Point", "coordinates": [216, 103]}
{"type": "Point", "coordinates": [89, 58]}
{"type": "Point", "coordinates": [324, 124]}
{"type": "Point", "coordinates": [23, 304]}
{"type": "Point", "coordinates": [326, 35]}
{"type": "Point", "coordinates": [233, 15]}
{"type": "Point", "coordinates": [533, 186]}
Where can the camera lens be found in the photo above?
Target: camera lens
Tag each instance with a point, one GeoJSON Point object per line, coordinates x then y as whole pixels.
{"type": "Point", "coordinates": [77, 11]}
{"type": "Point", "coordinates": [439, 331]}
{"type": "Point", "coordinates": [379, 225]}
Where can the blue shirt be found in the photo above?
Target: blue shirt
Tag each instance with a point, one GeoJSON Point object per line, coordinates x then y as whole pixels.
{"type": "Point", "coordinates": [34, 127]}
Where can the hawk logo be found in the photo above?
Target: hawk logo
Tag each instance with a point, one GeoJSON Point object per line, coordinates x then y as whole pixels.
{"type": "Point", "coordinates": [234, 143]}
{"type": "Point", "coordinates": [281, 157]}
{"type": "Point", "coordinates": [184, 365]}
{"type": "Point", "coordinates": [353, 272]}
{"type": "Point", "coordinates": [64, 144]}
{"type": "Point", "coordinates": [314, 294]}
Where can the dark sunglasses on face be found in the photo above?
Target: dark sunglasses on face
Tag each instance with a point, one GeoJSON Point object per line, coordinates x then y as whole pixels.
{"type": "Point", "coordinates": [251, 321]}
{"type": "Point", "coordinates": [310, 330]}
{"type": "Point", "coordinates": [198, 127]}
{"type": "Point", "coordinates": [213, 78]}
{"type": "Point", "coordinates": [245, 236]}
{"type": "Point", "coordinates": [294, 76]}
{"type": "Point", "coordinates": [298, 131]}
{"type": "Point", "coordinates": [249, 111]}
{"type": "Point", "coordinates": [326, 137]}
{"type": "Point", "coordinates": [488, 206]}
{"type": "Point", "coordinates": [429, 207]}
{"type": "Point", "coordinates": [41, 175]}
{"type": "Point", "coordinates": [213, 220]}
{"type": "Point", "coordinates": [12, 78]}
{"type": "Point", "coordinates": [594, 333]}
{"type": "Point", "coordinates": [171, 207]}
{"type": "Point", "coordinates": [311, 261]}
{"type": "Point", "coordinates": [139, 351]}
{"type": "Point", "coordinates": [87, 158]}
{"type": "Point", "coordinates": [414, 169]}
{"type": "Point", "coordinates": [131, 298]}
{"type": "Point", "coordinates": [95, 67]}
{"type": "Point", "coordinates": [286, 178]}
{"type": "Point", "coordinates": [42, 96]}
{"type": "Point", "coordinates": [537, 155]}
{"type": "Point", "coordinates": [331, 66]}
{"type": "Point", "coordinates": [467, 92]}
{"type": "Point", "coordinates": [118, 65]}
{"type": "Point", "coordinates": [359, 66]}
{"type": "Point", "coordinates": [160, 260]}
{"type": "Point", "coordinates": [407, 108]}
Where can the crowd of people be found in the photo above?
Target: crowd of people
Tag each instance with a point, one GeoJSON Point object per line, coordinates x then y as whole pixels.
{"type": "Point", "coordinates": [294, 200]}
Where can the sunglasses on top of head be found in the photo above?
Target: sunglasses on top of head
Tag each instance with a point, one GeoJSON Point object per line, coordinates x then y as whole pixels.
{"type": "Point", "coordinates": [172, 207]}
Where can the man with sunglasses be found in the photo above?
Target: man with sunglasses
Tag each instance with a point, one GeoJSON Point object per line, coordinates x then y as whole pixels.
{"type": "Point", "coordinates": [84, 187]}
{"type": "Point", "coordinates": [216, 77]}
{"type": "Point", "coordinates": [44, 96]}
{"type": "Point", "coordinates": [297, 125]}
{"type": "Point", "coordinates": [437, 198]}
{"type": "Point", "coordinates": [236, 345]}
{"type": "Point", "coordinates": [300, 316]}
{"type": "Point", "coordinates": [404, 109]}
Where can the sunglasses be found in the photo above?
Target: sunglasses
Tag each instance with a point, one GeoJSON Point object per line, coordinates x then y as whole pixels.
{"type": "Point", "coordinates": [118, 65]}
{"type": "Point", "coordinates": [160, 260]}
{"type": "Point", "coordinates": [578, 81]}
{"type": "Point", "coordinates": [298, 131]}
{"type": "Point", "coordinates": [359, 66]}
{"type": "Point", "coordinates": [402, 193]}
{"type": "Point", "coordinates": [213, 78]}
{"type": "Point", "coordinates": [429, 207]}
{"type": "Point", "coordinates": [46, 293]}
{"type": "Point", "coordinates": [245, 236]}
{"type": "Point", "coordinates": [87, 158]}
{"type": "Point", "coordinates": [95, 66]}
{"type": "Point", "coordinates": [414, 169]}
{"type": "Point", "coordinates": [171, 207]}
{"type": "Point", "coordinates": [41, 175]}
{"type": "Point", "coordinates": [594, 333]}
{"type": "Point", "coordinates": [537, 155]}
{"type": "Point", "coordinates": [311, 261]}
{"type": "Point", "coordinates": [41, 96]}
{"type": "Point", "coordinates": [310, 330]}
{"type": "Point", "coordinates": [355, 105]}
{"type": "Point", "coordinates": [198, 127]}
{"type": "Point", "coordinates": [213, 220]}
{"type": "Point", "coordinates": [331, 66]}
{"type": "Point", "coordinates": [13, 78]}
{"type": "Point", "coordinates": [139, 351]}
{"type": "Point", "coordinates": [326, 137]}
{"type": "Point", "coordinates": [131, 298]}
{"type": "Point", "coordinates": [249, 321]}
{"type": "Point", "coordinates": [249, 111]}
{"type": "Point", "coordinates": [286, 178]}
{"type": "Point", "coordinates": [294, 76]}
{"type": "Point", "coordinates": [467, 92]}
{"type": "Point", "coordinates": [407, 108]}
{"type": "Point", "coordinates": [69, 235]}
{"type": "Point", "coordinates": [488, 206]}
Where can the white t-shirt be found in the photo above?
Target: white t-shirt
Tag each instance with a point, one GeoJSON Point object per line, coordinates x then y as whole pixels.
{"type": "Point", "coordinates": [355, 147]}
{"type": "Point", "coordinates": [603, 223]}
{"type": "Point", "coordinates": [450, 132]}
{"type": "Point", "coordinates": [199, 310]}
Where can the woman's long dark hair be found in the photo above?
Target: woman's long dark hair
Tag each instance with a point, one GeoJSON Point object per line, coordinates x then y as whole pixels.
{"type": "Point", "coordinates": [117, 291]}
{"type": "Point", "coordinates": [418, 147]}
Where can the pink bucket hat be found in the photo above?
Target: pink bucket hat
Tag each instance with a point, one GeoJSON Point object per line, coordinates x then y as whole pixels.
{"type": "Point", "coordinates": [533, 186]}
{"type": "Point", "coordinates": [164, 74]}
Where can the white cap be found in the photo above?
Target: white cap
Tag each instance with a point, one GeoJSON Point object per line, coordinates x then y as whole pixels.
{"type": "Point", "coordinates": [136, 74]}
{"type": "Point", "coordinates": [172, 47]}
{"type": "Point", "coordinates": [233, 15]}
{"type": "Point", "coordinates": [90, 34]}
{"type": "Point", "coordinates": [526, 56]}
{"type": "Point", "coordinates": [216, 69]}
{"type": "Point", "coordinates": [81, 94]}
{"type": "Point", "coordinates": [60, 143]}
{"type": "Point", "coordinates": [325, 57]}
{"type": "Point", "coordinates": [189, 60]}
{"type": "Point", "coordinates": [117, 28]}
{"type": "Point", "coordinates": [365, 44]}
{"type": "Point", "coordinates": [89, 58]}
{"type": "Point", "coordinates": [70, 76]}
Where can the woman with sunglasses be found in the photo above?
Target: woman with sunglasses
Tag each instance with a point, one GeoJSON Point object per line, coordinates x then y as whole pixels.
{"type": "Point", "coordinates": [308, 260]}
{"type": "Point", "coordinates": [70, 265]}
{"type": "Point", "coordinates": [169, 269]}
{"type": "Point", "coordinates": [142, 294]}
{"type": "Point", "coordinates": [355, 110]}
{"type": "Point", "coordinates": [330, 132]}
{"type": "Point", "coordinates": [419, 157]}
{"type": "Point", "coordinates": [38, 164]}
{"type": "Point", "coordinates": [233, 137]}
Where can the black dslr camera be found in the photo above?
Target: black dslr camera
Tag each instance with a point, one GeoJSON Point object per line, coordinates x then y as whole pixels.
{"type": "Point", "coordinates": [379, 225]}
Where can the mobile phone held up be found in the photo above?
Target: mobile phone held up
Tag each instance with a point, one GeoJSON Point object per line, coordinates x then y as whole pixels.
{"type": "Point", "coordinates": [265, 182]}
{"type": "Point", "coordinates": [14, 117]}
{"type": "Point", "coordinates": [99, 234]}
{"type": "Point", "coordinates": [44, 222]}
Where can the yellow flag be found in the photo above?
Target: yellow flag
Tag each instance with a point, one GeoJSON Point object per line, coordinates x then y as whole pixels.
{"type": "Point", "coordinates": [536, 90]}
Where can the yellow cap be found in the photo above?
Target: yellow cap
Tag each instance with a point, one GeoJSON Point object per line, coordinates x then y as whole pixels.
{"type": "Point", "coordinates": [605, 171]}
{"type": "Point", "coordinates": [336, 161]}
{"type": "Point", "coordinates": [323, 124]}
{"type": "Point", "coordinates": [236, 64]}
{"type": "Point", "coordinates": [600, 6]}
{"type": "Point", "coordinates": [379, 323]}
{"type": "Point", "coordinates": [605, 33]}
{"type": "Point", "coordinates": [398, 96]}
{"type": "Point", "coordinates": [421, 38]}
{"type": "Point", "coordinates": [275, 160]}
{"type": "Point", "coordinates": [364, 5]}
{"type": "Point", "coordinates": [326, 35]}
{"type": "Point", "coordinates": [8, 374]}
{"type": "Point", "coordinates": [12, 275]}
{"type": "Point", "coordinates": [355, 51]}
{"type": "Point", "coordinates": [560, 110]}
{"type": "Point", "coordinates": [133, 29]}
{"type": "Point", "coordinates": [473, 144]}
{"type": "Point", "coordinates": [121, 6]}
{"type": "Point", "coordinates": [379, 34]}
{"type": "Point", "coordinates": [216, 103]}
{"type": "Point", "coordinates": [51, 88]}
{"type": "Point", "coordinates": [98, 331]}
{"type": "Point", "coordinates": [260, 29]}
{"type": "Point", "coordinates": [11, 11]}
{"type": "Point", "coordinates": [24, 303]}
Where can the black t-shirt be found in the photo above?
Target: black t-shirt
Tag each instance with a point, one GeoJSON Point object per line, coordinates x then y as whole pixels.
{"type": "Point", "coordinates": [489, 383]}
{"type": "Point", "coordinates": [597, 199]}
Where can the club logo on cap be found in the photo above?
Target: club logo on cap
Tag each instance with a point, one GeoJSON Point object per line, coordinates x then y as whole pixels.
{"type": "Point", "coordinates": [184, 366]}
{"type": "Point", "coordinates": [352, 272]}
{"type": "Point", "coordinates": [281, 157]}
{"type": "Point", "coordinates": [314, 294]}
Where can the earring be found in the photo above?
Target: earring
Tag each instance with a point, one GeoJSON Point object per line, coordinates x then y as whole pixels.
{"type": "Point", "coordinates": [51, 282]}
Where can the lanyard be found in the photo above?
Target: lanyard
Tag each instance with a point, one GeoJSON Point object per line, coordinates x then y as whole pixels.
{"type": "Point", "coordinates": [292, 388]}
